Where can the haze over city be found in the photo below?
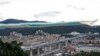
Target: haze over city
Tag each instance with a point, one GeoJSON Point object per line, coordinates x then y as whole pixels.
{"type": "Point", "coordinates": [49, 28]}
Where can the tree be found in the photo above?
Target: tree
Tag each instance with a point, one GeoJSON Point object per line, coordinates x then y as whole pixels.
{"type": "Point", "coordinates": [11, 49]}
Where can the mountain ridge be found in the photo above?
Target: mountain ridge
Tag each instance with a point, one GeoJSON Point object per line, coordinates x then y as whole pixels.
{"type": "Point", "coordinates": [9, 21]}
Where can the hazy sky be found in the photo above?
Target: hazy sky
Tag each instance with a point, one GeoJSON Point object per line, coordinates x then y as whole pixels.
{"type": "Point", "coordinates": [51, 10]}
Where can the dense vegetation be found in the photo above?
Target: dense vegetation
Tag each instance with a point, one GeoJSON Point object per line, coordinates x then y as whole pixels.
{"type": "Point", "coordinates": [54, 29]}
{"type": "Point", "coordinates": [88, 54]}
{"type": "Point", "coordinates": [11, 49]}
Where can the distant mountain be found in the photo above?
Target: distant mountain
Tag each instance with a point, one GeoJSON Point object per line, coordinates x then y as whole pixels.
{"type": "Point", "coordinates": [38, 24]}
{"type": "Point", "coordinates": [30, 27]}
{"type": "Point", "coordinates": [13, 21]}
{"type": "Point", "coordinates": [9, 21]}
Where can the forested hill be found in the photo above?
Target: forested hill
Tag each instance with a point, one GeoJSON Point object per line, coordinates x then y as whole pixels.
{"type": "Point", "coordinates": [53, 29]}
{"type": "Point", "coordinates": [30, 27]}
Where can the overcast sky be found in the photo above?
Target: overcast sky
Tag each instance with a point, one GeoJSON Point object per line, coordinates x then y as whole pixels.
{"type": "Point", "coordinates": [51, 10]}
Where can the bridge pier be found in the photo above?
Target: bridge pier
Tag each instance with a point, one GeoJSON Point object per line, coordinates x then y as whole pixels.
{"type": "Point", "coordinates": [59, 45]}
{"type": "Point", "coordinates": [50, 48]}
{"type": "Point", "coordinates": [38, 51]}
{"type": "Point", "coordinates": [45, 49]}
{"type": "Point", "coordinates": [66, 43]}
{"type": "Point", "coordinates": [31, 52]}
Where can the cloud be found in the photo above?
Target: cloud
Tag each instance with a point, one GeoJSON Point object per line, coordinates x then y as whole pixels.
{"type": "Point", "coordinates": [1, 18]}
{"type": "Point", "coordinates": [47, 14]}
{"type": "Point", "coordinates": [75, 7]}
{"type": "Point", "coordinates": [4, 2]}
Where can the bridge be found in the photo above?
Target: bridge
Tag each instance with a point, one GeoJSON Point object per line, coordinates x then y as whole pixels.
{"type": "Point", "coordinates": [50, 47]}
